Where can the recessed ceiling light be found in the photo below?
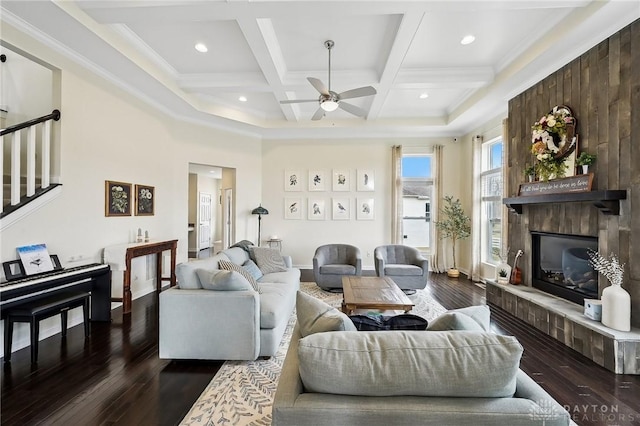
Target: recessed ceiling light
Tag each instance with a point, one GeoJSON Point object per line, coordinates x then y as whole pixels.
{"type": "Point", "coordinates": [201, 47]}
{"type": "Point", "coordinates": [468, 39]}
{"type": "Point", "coordinates": [424, 95]}
{"type": "Point", "coordinates": [242, 99]}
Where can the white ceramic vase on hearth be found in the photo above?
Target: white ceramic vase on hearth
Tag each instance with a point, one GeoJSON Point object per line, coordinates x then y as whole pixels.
{"type": "Point", "coordinates": [616, 308]}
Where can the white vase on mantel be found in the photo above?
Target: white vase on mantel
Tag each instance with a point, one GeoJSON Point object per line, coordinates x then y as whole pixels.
{"type": "Point", "coordinates": [616, 308]}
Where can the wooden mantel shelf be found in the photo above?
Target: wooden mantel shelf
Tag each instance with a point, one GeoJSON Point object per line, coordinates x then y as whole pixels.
{"type": "Point", "coordinates": [608, 201]}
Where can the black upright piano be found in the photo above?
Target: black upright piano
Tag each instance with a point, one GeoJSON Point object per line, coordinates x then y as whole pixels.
{"type": "Point", "coordinates": [94, 278]}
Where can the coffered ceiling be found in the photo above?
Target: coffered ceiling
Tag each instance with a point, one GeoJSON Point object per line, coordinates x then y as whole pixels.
{"type": "Point", "coordinates": [263, 51]}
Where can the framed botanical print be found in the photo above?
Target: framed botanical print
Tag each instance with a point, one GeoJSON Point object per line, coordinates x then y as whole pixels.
{"type": "Point", "coordinates": [364, 209]}
{"type": "Point", "coordinates": [117, 198]}
{"type": "Point", "coordinates": [292, 180]}
{"type": "Point", "coordinates": [341, 180]}
{"type": "Point", "coordinates": [341, 208]}
{"type": "Point", "coordinates": [316, 209]}
{"type": "Point", "coordinates": [317, 180]}
{"type": "Point", "coordinates": [366, 180]}
{"type": "Point", "coordinates": [145, 200]}
{"type": "Point", "coordinates": [293, 208]}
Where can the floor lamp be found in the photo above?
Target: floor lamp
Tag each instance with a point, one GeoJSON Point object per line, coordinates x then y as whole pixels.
{"type": "Point", "coordinates": [259, 211]}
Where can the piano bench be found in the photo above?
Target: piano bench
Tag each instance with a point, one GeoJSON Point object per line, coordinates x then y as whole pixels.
{"type": "Point", "coordinates": [34, 312]}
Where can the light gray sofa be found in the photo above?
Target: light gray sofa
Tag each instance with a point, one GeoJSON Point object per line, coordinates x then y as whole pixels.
{"type": "Point", "coordinates": [197, 323]}
{"type": "Point", "coordinates": [400, 378]}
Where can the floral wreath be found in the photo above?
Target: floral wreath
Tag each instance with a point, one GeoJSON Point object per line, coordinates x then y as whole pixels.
{"type": "Point", "coordinates": [553, 139]}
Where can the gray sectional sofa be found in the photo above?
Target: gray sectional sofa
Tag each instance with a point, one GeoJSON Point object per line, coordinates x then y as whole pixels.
{"type": "Point", "coordinates": [229, 320]}
{"type": "Point", "coordinates": [336, 376]}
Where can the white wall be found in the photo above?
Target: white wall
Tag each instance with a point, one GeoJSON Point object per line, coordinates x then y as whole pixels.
{"type": "Point", "coordinates": [106, 134]}
{"type": "Point", "coordinates": [302, 237]}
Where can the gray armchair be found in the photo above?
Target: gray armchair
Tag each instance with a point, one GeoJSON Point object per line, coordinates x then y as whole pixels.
{"type": "Point", "coordinates": [403, 264]}
{"type": "Point", "coordinates": [332, 261]}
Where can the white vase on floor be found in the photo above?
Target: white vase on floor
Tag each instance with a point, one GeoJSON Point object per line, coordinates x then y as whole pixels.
{"type": "Point", "coordinates": [616, 308]}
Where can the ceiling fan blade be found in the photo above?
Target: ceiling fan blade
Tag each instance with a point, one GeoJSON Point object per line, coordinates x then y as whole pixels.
{"type": "Point", "coordinates": [297, 101]}
{"type": "Point", "coordinates": [318, 115]}
{"type": "Point", "coordinates": [352, 109]}
{"type": "Point", "coordinates": [319, 85]}
{"type": "Point", "coordinates": [357, 93]}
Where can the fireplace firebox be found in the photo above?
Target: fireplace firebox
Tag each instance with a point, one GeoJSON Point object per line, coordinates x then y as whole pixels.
{"type": "Point", "coordinates": [560, 265]}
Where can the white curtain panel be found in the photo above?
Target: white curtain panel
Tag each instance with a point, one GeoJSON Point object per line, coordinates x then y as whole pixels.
{"type": "Point", "coordinates": [437, 263]}
{"type": "Point", "coordinates": [476, 233]}
{"type": "Point", "coordinates": [396, 195]}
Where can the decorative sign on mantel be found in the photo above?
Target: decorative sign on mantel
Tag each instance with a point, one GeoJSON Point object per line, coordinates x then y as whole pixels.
{"type": "Point", "coordinates": [578, 183]}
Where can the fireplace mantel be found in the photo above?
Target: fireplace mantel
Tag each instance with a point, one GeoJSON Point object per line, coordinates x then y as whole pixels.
{"type": "Point", "coordinates": [607, 201]}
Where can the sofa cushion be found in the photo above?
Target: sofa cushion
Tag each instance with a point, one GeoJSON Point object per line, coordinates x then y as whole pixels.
{"type": "Point", "coordinates": [187, 276]}
{"type": "Point", "coordinates": [394, 363]}
{"type": "Point", "coordinates": [236, 255]}
{"type": "Point", "coordinates": [315, 316]}
{"type": "Point", "coordinates": [402, 270]}
{"type": "Point", "coordinates": [472, 318]}
{"type": "Point", "coordinates": [253, 269]}
{"type": "Point", "coordinates": [268, 259]}
{"type": "Point", "coordinates": [276, 303]}
{"type": "Point", "coordinates": [230, 266]}
{"type": "Point", "coordinates": [285, 277]}
{"type": "Point", "coordinates": [338, 269]}
{"type": "Point", "coordinates": [222, 280]}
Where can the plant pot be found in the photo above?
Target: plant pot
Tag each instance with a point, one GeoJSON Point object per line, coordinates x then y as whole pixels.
{"type": "Point", "coordinates": [453, 273]}
{"type": "Point", "coordinates": [503, 280]}
{"type": "Point", "coordinates": [585, 169]}
{"type": "Point", "coordinates": [507, 271]}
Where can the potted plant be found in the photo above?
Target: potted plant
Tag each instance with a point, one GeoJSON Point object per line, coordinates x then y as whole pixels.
{"type": "Point", "coordinates": [455, 225]}
{"type": "Point", "coordinates": [585, 160]}
{"type": "Point", "coordinates": [502, 276]}
{"type": "Point", "coordinates": [530, 172]}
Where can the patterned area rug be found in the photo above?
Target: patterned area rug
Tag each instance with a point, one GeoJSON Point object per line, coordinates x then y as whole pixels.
{"type": "Point", "coordinates": [242, 391]}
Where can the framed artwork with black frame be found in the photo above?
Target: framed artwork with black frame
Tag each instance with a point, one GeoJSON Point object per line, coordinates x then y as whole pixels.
{"type": "Point", "coordinates": [145, 200]}
{"type": "Point", "coordinates": [117, 198]}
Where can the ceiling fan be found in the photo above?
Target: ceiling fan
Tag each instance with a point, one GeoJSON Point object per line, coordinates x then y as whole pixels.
{"type": "Point", "coordinates": [329, 100]}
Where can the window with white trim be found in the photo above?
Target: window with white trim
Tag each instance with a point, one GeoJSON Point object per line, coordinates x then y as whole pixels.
{"type": "Point", "coordinates": [491, 201]}
{"type": "Point", "coordinates": [417, 186]}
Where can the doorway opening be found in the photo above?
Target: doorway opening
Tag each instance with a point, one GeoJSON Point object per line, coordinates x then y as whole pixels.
{"type": "Point", "coordinates": [211, 212]}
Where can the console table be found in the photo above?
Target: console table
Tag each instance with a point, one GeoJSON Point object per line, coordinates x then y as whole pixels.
{"type": "Point", "coordinates": [119, 257]}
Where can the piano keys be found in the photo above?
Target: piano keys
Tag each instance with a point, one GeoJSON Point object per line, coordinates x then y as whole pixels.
{"type": "Point", "coordinates": [94, 278]}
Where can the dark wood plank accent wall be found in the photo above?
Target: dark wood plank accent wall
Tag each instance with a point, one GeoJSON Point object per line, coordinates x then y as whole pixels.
{"type": "Point", "coordinates": [602, 87]}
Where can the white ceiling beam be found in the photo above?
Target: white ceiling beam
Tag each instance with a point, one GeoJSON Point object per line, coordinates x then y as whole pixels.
{"type": "Point", "coordinates": [263, 42]}
{"type": "Point", "coordinates": [430, 78]}
{"type": "Point", "coordinates": [401, 44]}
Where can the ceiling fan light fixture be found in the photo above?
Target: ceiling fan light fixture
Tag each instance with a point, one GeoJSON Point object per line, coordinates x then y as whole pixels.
{"type": "Point", "coordinates": [329, 105]}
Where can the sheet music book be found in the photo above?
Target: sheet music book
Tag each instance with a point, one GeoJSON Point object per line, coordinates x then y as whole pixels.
{"type": "Point", "coordinates": [35, 259]}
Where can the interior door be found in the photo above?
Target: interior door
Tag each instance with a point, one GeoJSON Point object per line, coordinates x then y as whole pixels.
{"type": "Point", "coordinates": [204, 221]}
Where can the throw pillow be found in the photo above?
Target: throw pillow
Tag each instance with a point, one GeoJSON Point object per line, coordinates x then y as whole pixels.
{"type": "Point", "coordinates": [222, 280]}
{"type": "Point", "coordinates": [402, 363]}
{"type": "Point", "coordinates": [230, 266]}
{"type": "Point", "coordinates": [253, 269]}
{"type": "Point", "coordinates": [472, 318]}
{"type": "Point", "coordinates": [315, 316]}
{"type": "Point", "coordinates": [269, 260]}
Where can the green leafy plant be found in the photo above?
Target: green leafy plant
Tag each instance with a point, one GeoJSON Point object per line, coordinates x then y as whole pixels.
{"type": "Point", "coordinates": [530, 171]}
{"type": "Point", "coordinates": [585, 159]}
{"type": "Point", "coordinates": [455, 223]}
{"type": "Point", "coordinates": [502, 273]}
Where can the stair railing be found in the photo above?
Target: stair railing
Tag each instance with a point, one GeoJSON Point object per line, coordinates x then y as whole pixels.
{"type": "Point", "coordinates": [12, 134]}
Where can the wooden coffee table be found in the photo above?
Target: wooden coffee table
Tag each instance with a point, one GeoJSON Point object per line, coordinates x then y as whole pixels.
{"type": "Point", "coordinates": [373, 293]}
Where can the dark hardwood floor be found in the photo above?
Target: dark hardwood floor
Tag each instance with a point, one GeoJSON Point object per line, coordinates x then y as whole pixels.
{"type": "Point", "coordinates": [116, 378]}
